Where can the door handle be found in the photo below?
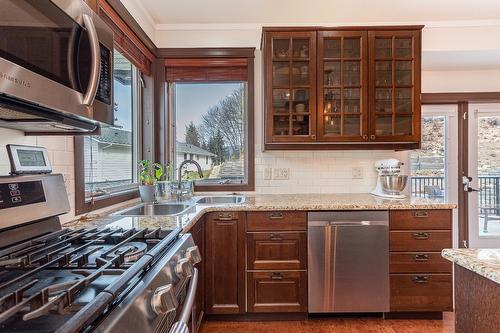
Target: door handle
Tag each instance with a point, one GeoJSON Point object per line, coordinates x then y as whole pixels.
{"type": "Point", "coordinates": [421, 235]}
{"type": "Point", "coordinates": [420, 279]}
{"type": "Point", "coordinates": [276, 237]}
{"type": "Point", "coordinates": [421, 257]}
{"type": "Point", "coordinates": [276, 216]}
{"type": "Point", "coordinates": [276, 276]}
{"type": "Point", "coordinates": [95, 67]}
{"type": "Point", "coordinates": [421, 214]}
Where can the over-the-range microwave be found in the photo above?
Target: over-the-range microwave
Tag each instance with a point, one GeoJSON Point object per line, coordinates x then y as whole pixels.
{"type": "Point", "coordinates": [56, 67]}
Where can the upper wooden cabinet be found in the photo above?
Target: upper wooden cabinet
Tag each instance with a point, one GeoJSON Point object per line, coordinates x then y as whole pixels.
{"type": "Point", "coordinates": [342, 88]}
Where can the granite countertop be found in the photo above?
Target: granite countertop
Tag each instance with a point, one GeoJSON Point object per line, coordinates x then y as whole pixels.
{"type": "Point", "coordinates": [485, 262]}
{"type": "Point", "coordinates": [264, 202]}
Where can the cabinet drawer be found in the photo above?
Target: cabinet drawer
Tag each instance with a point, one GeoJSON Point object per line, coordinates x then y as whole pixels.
{"type": "Point", "coordinates": [223, 216]}
{"type": "Point", "coordinates": [420, 240]}
{"type": "Point", "coordinates": [420, 219]}
{"type": "Point", "coordinates": [419, 262]}
{"type": "Point", "coordinates": [276, 220]}
{"type": "Point", "coordinates": [421, 292]}
{"type": "Point", "coordinates": [277, 291]}
{"type": "Point", "coordinates": [277, 250]}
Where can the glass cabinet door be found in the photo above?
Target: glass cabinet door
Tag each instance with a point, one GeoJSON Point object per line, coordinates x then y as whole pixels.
{"type": "Point", "coordinates": [394, 85]}
{"type": "Point", "coordinates": [291, 96]}
{"type": "Point", "coordinates": [342, 85]}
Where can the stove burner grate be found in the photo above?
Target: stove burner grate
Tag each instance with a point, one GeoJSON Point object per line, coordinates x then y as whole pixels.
{"type": "Point", "coordinates": [131, 251]}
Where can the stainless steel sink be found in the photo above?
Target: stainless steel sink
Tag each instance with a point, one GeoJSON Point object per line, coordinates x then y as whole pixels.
{"type": "Point", "coordinates": [155, 210]}
{"type": "Point", "coordinates": [219, 200]}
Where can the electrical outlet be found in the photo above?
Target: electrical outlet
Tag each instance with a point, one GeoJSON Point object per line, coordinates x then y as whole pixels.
{"type": "Point", "coordinates": [268, 173]}
{"type": "Point", "coordinates": [358, 172]}
{"type": "Point", "coordinates": [281, 173]}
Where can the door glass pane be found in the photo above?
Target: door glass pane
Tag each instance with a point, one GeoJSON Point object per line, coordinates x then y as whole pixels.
{"type": "Point", "coordinates": [428, 164]}
{"type": "Point", "coordinates": [488, 174]}
{"type": "Point", "coordinates": [331, 101]}
{"type": "Point", "coordinates": [332, 48]}
{"type": "Point", "coordinates": [383, 73]}
{"type": "Point", "coordinates": [300, 73]}
{"type": "Point", "coordinates": [300, 101]}
{"type": "Point", "coordinates": [403, 47]}
{"type": "Point", "coordinates": [281, 74]}
{"type": "Point", "coordinates": [383, 100]}
{"type": "Point", "coordinates": [300, 125]}
{"type": "Point", "coordinates": [383, 48]}
{"type": "Point", "coordinates": [403, 73]}
{"type": "Point", "coordinates": [403, 100]}
{"type": "Point", "coordinates": [383, 125]}
{"type": "Point", "coordinates": [281, 48]}
{"type": "Point", "coordinates": [352, 47]}
{"type": "Point", "coordinates": [403, 125]}
{"type": "Point", "coordinates": [281, 125]}
{"type": "Point", "coordinates": [352, 126]}
{"type": "Point", "coordinates": [332, 73]}
{"type": "Point", "coordinates": [281, 100]}
{"type": "Point", "coordinates": [300, 48]}
{"type": "Point", "coordinates": [351, 73]}
{"type": "Point", "coordinates": [332, 124]}
{"type": "Point", "coordinates": [352, 100]}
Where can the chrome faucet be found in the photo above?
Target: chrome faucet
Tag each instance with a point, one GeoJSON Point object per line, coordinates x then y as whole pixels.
{"type": "Point", "coordinates": [200, 172]}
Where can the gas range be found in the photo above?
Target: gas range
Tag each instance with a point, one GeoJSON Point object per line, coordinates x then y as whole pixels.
{"type": "Point", "coordinates": [91, 280]}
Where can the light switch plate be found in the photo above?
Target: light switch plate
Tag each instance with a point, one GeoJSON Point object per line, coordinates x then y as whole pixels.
{"type": "Point", "coordinates": [358, 172]}
{"type": "Point", "coordinates": [268, 173]}
{"type": "Point", "coordinates": [281, 173]}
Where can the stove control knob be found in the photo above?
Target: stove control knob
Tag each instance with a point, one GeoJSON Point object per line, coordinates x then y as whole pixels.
{"type": "Point", "coordinates": [184, 268]}
{"type": "Point", "coordinates": [163, 300]}
{"type": "Point", "coordinates": [193, 254]}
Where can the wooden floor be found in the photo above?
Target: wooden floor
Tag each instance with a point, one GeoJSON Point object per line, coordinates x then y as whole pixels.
{"type": "Point", "coordinates": [336, 325]}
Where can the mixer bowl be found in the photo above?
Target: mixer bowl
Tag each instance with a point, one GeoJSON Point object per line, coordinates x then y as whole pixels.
{"type": "Point", "coordinates": [393, 184]}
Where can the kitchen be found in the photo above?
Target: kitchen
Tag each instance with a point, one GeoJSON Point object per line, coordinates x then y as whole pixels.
{"type": "Point", "coordinates": [202, 167]}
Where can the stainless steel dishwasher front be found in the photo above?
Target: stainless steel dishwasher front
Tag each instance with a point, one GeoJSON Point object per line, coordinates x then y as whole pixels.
{"type": "Point", "coordinates": [348, 253]}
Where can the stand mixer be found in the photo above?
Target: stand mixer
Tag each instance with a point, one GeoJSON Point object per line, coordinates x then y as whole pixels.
{"type": "Point", "coordinates": [390, 183]}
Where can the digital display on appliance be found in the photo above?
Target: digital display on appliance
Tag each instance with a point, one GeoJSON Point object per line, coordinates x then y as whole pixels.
{"type": "Point", "coordinates": [31, 157]}
{"type": "Point", "coordinates": [17, 194]}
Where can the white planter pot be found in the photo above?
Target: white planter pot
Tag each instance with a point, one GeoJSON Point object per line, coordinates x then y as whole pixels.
{"type": "Point", "coordinates": [147, 193]}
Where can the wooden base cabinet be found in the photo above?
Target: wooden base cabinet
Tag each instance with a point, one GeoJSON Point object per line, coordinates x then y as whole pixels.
{"type": "Point", "coordinates": [276, 262]}
{"type": "Point", "coordinates": [420, 279]}
{"type": "Point", "coordinates": [225, 263]}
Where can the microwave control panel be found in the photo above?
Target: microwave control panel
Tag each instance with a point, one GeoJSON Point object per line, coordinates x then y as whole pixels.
{"type": "Point", "coordinates": [105, 80]}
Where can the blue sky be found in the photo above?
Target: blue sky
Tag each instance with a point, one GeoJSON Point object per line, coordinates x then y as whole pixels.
{"type": "Point", "coordinates": [192, 100]}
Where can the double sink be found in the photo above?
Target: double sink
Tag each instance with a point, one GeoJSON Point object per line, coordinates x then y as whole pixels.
{"type": "Point", "coordinates": [178, 208]}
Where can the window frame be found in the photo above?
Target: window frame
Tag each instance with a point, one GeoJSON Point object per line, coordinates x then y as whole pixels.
{"type": "Point", "coordinates": [84, 204]}
{"type": "Point", "coordinates": [218, 57]}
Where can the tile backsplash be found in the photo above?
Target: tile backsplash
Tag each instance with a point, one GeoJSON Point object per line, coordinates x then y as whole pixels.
{"type": "Point", "coordinates": [60, 154]}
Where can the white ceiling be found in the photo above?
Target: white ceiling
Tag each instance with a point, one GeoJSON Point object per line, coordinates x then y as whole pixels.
{"type": "Point", "coordinates": [317, 11]}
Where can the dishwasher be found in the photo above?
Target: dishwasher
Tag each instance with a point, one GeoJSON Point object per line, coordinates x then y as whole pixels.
{"type": "Point", "coordinates": [348, 253]}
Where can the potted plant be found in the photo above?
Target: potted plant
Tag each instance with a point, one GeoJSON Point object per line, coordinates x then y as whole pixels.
{"type": "Point", "coordinates": [149, 174]}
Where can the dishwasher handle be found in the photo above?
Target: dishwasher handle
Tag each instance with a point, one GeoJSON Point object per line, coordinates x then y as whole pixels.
{"type": "Point", "coordinates": [358, 223]}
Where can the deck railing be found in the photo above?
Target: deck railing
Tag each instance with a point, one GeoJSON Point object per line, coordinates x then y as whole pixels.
{"type": "Point", "coordinates": [489, 189]}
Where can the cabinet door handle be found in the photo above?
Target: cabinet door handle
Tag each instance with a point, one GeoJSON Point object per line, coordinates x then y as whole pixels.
{"type": "Point", "coordinates": [421, 235]}
{"type": "Point", "coordinates": [276, 216]}
{"type": "Point", "coordinates": [225, 217]}
{"type": "Point", "coordinates": [276, 276]}
{"type": "Point", "coordinates": [276, 237]}
{"type": "Point", "coordinates": [421, 257]}
{"type": "Point", "coordinates": [313, 136]}
{"type": "Point", "coordinates": [372, 137]}
{"type": "Point", "coordinates": [365, 137]}
{"type": "Point", "coordinates": [420, 279]}
{"type": "Point", "coordinates": [421, 214]}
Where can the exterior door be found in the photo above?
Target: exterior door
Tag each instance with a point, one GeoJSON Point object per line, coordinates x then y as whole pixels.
{"type": "Point", "coordinates": [434, 167]}
{"type": "Point", "coordinates": [483, 181]}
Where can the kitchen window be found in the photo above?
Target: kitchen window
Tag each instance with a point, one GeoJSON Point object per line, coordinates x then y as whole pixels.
{"type": "Point", "coordinates": [110, 159]}
{"type": "Point", "coordinates": [211, 121]}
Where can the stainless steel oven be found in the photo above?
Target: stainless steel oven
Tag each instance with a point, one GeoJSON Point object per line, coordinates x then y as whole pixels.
{"type": "Point", "coordinates": [56, 66]}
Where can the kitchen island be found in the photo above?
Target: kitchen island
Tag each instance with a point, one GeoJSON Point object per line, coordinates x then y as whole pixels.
{"type": "Point", "coordinates": [477, 289]}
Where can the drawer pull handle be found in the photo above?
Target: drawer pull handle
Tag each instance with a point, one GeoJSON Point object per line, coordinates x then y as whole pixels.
{"type": "Point", "coordinates": [276, 276]}
{"type": "Point", "coordinates": [420, 279]}
{"type": "Point", "coordinates": [276, 216]}
{"type": "Point", "coordinates": [276, 237]}
{"type": "Point", "coordinates": [421, 257]}
{"type": "Point", "coordinates": [421, 235]}
{"type": "Point", "coordinates": [421, 214]}
{"type": "Point", "coordinates": [225, 217]}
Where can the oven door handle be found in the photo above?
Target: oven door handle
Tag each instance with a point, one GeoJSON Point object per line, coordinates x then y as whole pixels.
{"type": "Point", "coordinates": [181, 325]}
{"type": "Point", "coordinates": [95, 68]}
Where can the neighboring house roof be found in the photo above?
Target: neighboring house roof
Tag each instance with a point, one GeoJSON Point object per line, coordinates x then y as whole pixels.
{"type": "Point", "coordinates": [122, 69]}
{"type": "Point", "coordinates": [185, 148]}
{"type": "Point", "coordinates": [114, 136]}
